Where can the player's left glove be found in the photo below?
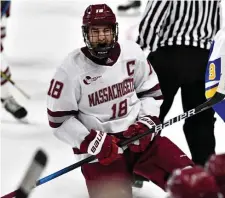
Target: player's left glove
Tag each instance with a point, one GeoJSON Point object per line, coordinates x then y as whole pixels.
{"type": "Point", "coordinates": [139, 127]}
{"type": "Point", "coordinates": [102, 145]}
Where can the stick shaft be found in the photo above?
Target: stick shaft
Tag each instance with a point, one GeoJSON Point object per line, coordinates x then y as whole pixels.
{"type": "Point", "coordinates": [15, 85]}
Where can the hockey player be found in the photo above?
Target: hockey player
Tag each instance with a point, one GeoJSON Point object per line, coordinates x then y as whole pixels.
{"type": "Point", "coordinates": [216, 167]}
{"type": "Point", "coordinates": [129, 6]}
{"type": "Point", "coordinates": [192, 183]}
{"type": "Point", "coordinates": [106, 92]}
{"type": "Point", "coordinates": [215, 82]}
{"type": "Point", "coordinates": [215, 73]}
{"type": "Point", "coordinates": [8, 101]}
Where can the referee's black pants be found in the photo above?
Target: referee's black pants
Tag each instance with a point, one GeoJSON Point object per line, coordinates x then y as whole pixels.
{"type": "Point", "coordinates": [184, 67]}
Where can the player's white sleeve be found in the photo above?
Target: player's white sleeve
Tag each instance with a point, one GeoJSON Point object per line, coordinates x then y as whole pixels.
{"type": "Point", "coordinates": [147, 88]}
{"type": "Point", "coordinates": [62, 109]}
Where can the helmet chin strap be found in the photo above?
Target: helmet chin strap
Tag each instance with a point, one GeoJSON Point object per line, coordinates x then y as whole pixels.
{"type": "Point", "coordinates": [101, 51]}
{"type": "Point", "coordinates": [100, 54]}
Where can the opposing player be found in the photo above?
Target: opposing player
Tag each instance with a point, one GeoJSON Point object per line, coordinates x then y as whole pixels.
{"type": "Point", "coordinates": [8, 101]}
{"type": "Point", "coordinates": [215, 73]}
{"type": "Point", "coordinates": [216, 167]}
{"type": "Point", "coordinates": [106, 92]}
{"type": "Point", "coordinates": [192, 183]}
{"type": "Point", "coordinates": [130, 5]}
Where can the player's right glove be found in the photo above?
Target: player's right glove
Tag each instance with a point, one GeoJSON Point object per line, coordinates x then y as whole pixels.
{"type": "Point", "coordinates": [103, 146]}
{"type": "Point", "coordinates": [140, 127]}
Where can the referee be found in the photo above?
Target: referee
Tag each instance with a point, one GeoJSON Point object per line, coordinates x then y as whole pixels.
{"type": "Point", "coordinates": [178, 35]}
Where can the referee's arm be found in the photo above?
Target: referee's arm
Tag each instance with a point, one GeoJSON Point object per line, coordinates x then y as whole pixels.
{"type": "Point", "coordinates": [151, 22]}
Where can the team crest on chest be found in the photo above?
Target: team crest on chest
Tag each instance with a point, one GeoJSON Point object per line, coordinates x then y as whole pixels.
{"type": "Point", "coordinates": [88, 79]}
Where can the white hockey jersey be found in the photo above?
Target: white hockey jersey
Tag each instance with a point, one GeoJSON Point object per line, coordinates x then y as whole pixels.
{"type": "Point", "coordinates": [84, 95]}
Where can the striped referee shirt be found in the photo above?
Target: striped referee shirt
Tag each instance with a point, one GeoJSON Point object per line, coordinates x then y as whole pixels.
{"type": "Point", "coordinates": [186, 22]}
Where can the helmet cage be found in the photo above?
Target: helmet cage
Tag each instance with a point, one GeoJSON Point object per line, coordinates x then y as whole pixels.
{"type": "Point", "coordinates": [98, 50]}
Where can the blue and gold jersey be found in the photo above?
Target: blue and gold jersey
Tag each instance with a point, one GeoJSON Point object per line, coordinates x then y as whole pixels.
{"type": "Point", "coordinates": [215, 74]}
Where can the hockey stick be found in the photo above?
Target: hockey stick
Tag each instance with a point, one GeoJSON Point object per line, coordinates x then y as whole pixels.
{"type": "Point", "coordinates": [218, 97]}
{"type": "Point", "coordinates": [33, 173]}
{"type": "Point", "coordinates": [14, 84]}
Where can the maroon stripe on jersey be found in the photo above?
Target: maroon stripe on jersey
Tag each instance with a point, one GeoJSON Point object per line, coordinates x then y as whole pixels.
{"type": "Point", "coordinates": [155, 88]}
{"type": "Point", "coordinates": [150, 91]}
{"type": "Point", "coordinates": [54, 125]}
{"type": "Point", "coordinates": [159, 97]}
{"type": "Point", "coordinates": [61, 113]}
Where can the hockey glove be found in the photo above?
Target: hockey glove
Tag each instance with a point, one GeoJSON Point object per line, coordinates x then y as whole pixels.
{"type": "Point", "coordinates": [103, 146]}
{"type": "Point", "coordinates": [140, 127]}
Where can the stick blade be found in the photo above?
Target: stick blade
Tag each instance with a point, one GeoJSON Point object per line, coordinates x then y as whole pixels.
{"type": "Point", "coordinates": [33, 173]}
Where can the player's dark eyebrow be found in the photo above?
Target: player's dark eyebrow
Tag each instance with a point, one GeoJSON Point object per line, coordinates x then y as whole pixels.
{"type": "Point", "coordinates": [94, 28]}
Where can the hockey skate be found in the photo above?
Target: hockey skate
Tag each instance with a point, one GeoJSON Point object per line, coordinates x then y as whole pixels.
{"type": "Point", "coordinates": [131, 8]}
{"type": "Point", "coordinates": [137, 184]}
{"type": "Point", "coordinates": [137, 181]}
{"type": "Point", "coordinates": [14, 108]}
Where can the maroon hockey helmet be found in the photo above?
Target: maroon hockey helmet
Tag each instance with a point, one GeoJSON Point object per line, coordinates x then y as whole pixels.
{"type": "Point", "coordinates": [216, 167]}
{"type": "Point", "coordinates": [192, 183]}
{"type": "Point", "coordinates": [99, 14]}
